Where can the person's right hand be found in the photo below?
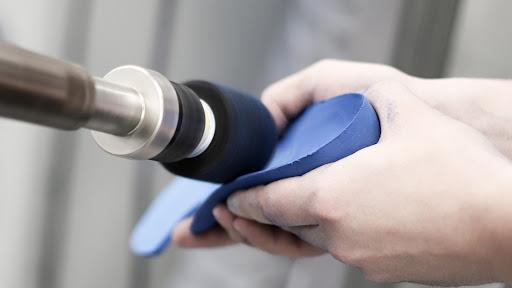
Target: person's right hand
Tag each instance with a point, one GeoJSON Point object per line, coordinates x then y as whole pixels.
{"type": "Point", "coordinates": [427, 203]}
{"type": "Point", "coordinates": [477, 102]}
{"type": "Point", "coordinates": [483, 104]}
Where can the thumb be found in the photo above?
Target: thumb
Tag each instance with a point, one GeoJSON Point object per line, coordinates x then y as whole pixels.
{"type": "Point", "coordinates": [287, 98]}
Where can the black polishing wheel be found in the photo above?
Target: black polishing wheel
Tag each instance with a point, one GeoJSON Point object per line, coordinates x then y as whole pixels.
{"type": "Point", "coordinates": [245, 136]}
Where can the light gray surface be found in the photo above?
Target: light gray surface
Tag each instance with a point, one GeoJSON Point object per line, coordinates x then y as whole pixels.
{"type": "Point", "coordinates": [66, 208]}
{"type": "Point", "coordinates": [482, 42]}
{"type": "Point", "coordinates": [23, 180]}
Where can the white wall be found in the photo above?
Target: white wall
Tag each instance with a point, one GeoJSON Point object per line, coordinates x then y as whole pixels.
{"type": "Point", "coordinates": [482, 42]}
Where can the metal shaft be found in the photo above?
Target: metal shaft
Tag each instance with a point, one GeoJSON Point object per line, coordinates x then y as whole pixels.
{"type": "Point", "coordinates": [55, 93]}
{"type": "Point", "coordinates": [117, 110]}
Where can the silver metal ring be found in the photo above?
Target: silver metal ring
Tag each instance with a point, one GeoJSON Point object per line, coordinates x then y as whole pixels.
{"type": "Point", "coordinates": [159, 118]}
{"type": "Point", "coordinates": [208, 133]}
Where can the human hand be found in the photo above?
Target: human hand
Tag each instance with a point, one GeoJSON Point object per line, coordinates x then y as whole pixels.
{"type": "Point", "coordinates": [234, 230]}
{"type": "Point", "coordinates": [286, 98]}
{"type": "Point", "coordinates": [429, 203]}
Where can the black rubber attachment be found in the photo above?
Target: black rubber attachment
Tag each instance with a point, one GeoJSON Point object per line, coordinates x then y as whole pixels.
{"type": "Point", "coordinates": [190, 126]}
{"type": "Point", "coordinates": [245, 136]}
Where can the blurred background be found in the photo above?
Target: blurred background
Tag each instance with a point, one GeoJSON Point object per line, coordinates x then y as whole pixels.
{"type": "Point", "coordinates": [67, 208]}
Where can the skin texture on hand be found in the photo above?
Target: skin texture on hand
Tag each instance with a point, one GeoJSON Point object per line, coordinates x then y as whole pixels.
{"type": "Point", "coordinates": [427, 204]}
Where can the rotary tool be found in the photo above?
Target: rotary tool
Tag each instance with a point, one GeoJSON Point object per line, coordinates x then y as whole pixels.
{"type": "Point", "coordinates": [196, 129]}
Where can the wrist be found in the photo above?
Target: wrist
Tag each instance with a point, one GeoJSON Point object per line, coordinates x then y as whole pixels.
{"type": "Point", "coordinates": [482, 104]}
{"type": "Point", "coordinates": [449, 96]}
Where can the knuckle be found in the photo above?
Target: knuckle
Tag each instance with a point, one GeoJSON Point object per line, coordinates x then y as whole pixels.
{"type": "Point", "coordinates": [313, 199]}
{"type": "Point", "coordinates": [322, 206]}
{"type": "Point", "coordinates": [269, 205]}
{"type": "Point", "coordinates": [383, 87]}
{"type": "Point", "coordinates": [274, 199]}
{"type": "Point", "coordinates": [259, 199]}
{"type": "Point", "coordinates": [321, 209]}
{"type": "Point", "coordinates": [323, 63]}
{"type": "Point", "coordinates": [266, 206]}
{"type": "Point", "coordinates": [316, 203]}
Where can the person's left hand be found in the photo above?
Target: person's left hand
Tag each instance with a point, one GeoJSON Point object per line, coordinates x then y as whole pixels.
{"type": "Point", "coordinates": [234, 230]}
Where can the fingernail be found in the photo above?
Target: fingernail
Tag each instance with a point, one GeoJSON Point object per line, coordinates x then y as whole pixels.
{"type": "Point", "coordinates": [216, 212]}
{"type": "Point", "coordinates": [232, 204]}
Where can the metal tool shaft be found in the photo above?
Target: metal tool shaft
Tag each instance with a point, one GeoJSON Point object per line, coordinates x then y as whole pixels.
{"type": "Point", "coordinates": [117, 110]}
{"type": "Point", "coordinates": [55, 93]}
